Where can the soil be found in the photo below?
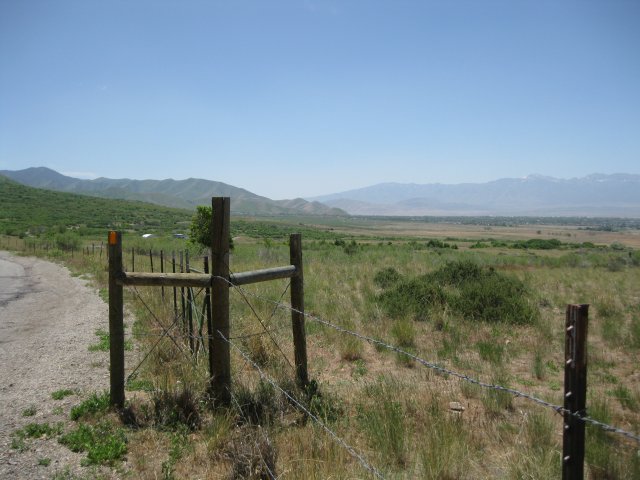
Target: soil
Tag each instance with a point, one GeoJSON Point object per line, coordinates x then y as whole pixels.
{"type": "Point", "coordinates": [48, 319]}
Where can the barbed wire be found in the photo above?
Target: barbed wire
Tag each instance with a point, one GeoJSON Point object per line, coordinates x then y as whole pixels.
{"type": "Point", "coordinates": [275, 385]}
{"type": "Point", "coordinates": [446, 371]}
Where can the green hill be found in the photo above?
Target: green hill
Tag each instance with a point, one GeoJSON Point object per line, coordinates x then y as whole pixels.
{"type": "Point", "coordinates": [27, 209]}
{"type": "Point", "coordinates": [186, 194]}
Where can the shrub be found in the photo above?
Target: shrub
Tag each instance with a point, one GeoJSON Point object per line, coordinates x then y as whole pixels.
{"type": "Point", "coordinates": [387, 277]}
{"type": "Point", "coordinates": [465, 288]}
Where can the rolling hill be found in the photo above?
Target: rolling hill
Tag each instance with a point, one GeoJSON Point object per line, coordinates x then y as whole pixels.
{"type": "Point", "coordinates": [185, 194]}
{"type": "Point", "coordinates": [24, 208]}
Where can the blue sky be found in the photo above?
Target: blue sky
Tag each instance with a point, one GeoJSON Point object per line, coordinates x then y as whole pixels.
{"type": "Point", "coordinates": [308, 97]}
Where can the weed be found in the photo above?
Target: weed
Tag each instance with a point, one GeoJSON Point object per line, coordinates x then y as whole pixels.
{"type": "Point", "coordinates": [29, 411]}
{"type": "Point", "coordinates": [60, 394]}
{"type": "Point", "coordinates": [176, 408]}
{"type": "Point", "coordinates": [404, 333]}
{"type": "Point", "coordinates": [359, 369]}
{"type": "Point", "coordinates": [103, 342]}
{"type": "Point", "coordinates": [96, 403]}
{"type": "Point", "coordinates": [384, 421]}
{"type": "Point", "coordinates": [33, 430]}
{"type": "Point", "coordinates": [497, 401]}
{"type": "Point", "coordinates": [253, 455]}
{"type": "Point", "coordinates": [45, 462]}
{"type": "Point", "coordinates": [626, 398]}
{"type": "Point", "coordinates": [445, 444]}
{"type": "Point", "coordinates": [539, 369]}
{"type": "Point", "coordinates": [103, 442]}
{"type": "Point", "coordinates": [139, 386]}
{"type": "Point", "coordinates": [490, 351]}
{"type": "Point", "coordinates": [179, 443]}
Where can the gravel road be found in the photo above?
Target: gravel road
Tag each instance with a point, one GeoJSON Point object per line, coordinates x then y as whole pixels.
{"type": "Point", "coordinates": [48, 318]}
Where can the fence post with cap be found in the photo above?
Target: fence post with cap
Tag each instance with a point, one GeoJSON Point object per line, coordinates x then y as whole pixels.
{"type": "Point", "coordinates": [116, 321]}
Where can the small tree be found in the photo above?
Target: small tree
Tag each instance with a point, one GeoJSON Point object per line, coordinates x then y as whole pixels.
{"type": "Point", "coordinates": [200, 228]}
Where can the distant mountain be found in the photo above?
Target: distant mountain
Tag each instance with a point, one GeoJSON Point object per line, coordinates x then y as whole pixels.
{"type": "Point", "coordinates": [535, 195]}
{"type": "Point", "coordinates": [170, 193]}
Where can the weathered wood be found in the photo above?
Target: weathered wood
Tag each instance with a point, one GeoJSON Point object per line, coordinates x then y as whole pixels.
{"type": "Point", "coordinates": [133, 259]}
{"type": "Point", "coordinates": [575, 391]}
{"type": "Point", "coordinates": [189, 309]}
{"type": "Point", "coordinates": [165, 279]}
{"type": "Point", "coordinates": [297, 313]}
{"type": "Point", "coordinates": [162, 271]}
{"type": "Point", "coordinates": [263, 275]}
{"type": "Point", "coordinates": [207, 302]}
{"type": "Point", "coordinates": [151, 259]}
{"type": "Point", "coordinates": [116, 321]}
{"type": "Point", "coordinates": [141, 279]}
{"type": "Point", "coordinates": [219, 354]}
{"type": "Point", "coordinates": [175, 297]}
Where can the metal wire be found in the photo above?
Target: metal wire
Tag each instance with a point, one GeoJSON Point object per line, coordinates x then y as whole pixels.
{"type": "Point", "coordinates": [350, 449]}
{"type": "Point", "coordinates": [446, 371]}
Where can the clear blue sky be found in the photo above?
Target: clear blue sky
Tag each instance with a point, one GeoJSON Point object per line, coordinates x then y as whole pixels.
{"type": "Point", "coordinates": [301, 98]}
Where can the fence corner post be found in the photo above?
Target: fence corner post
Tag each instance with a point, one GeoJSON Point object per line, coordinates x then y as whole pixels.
{"type": "Point", "coordinates": [297, 312]}
{"type": "Point", "coordinates": [116, 321]}
{"type": "Point", "coordinates": [219, 353]}
{"type": "Point", "coordinates": [575, 391]}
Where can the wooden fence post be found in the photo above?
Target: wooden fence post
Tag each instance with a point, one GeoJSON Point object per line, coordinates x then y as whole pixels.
{"type": "Point", "coordinates": [189, 308]}
{"type": "Point", "coordinates": [162, 271]}
{"type": "Point", "coordinates": [116, 321]}
{"type": "Point", "coordinates": [207, 303]}
{"type": "Point", "coordinates": [575, 391]}
{"type": "Point", "coordinates": [175, 295]}
{"type": "Point", "coordinates": [133, 259]}
{"type": "Point", "coordinates": [297, 314]}
{"type": "Point", "coordinates": [151, 259]}
{"type": "Point", "coordinates": [219, 353]}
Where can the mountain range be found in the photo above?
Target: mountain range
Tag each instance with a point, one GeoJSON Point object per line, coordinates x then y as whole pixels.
{"type": "Point", "coordinates": [186, 194]}
{"type": "Point", "coordinates": [595, 195]}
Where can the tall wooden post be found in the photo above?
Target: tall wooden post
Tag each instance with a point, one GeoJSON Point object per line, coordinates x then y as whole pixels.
{"type": "Point", "coordinates": [162, 271]}
{"type": "Point", "coordinates": [116, 321]}
{"type": "Point", "coordinates": [189, 308]}
{"type": "Point", "coordinates": [297, 314]}
{"type": "Point", "coordinates": [219, 353]}
{"type": "Point", "coordinates": [207, 303]}
{"type": "Point", "coordinates": [575, 391]}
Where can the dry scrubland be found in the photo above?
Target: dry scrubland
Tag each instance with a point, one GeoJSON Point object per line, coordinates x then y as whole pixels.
{"type": "Point", "coordinates": [392, 410]}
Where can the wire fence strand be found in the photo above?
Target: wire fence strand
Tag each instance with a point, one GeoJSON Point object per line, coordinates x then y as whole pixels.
{"type": "Point", "coordinates": [335, 436]}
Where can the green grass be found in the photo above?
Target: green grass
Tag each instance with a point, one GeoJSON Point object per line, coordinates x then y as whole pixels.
{"type": "Point", "coordinates": [103, 442]}
{"type": "Point", "coordinates": [29, 411]}
{"type": "Point", "coordinates": [97, 403]}
{"type": "Point", "coordinates": [33, 430]}
{"type": "Point", "coordinates": [103, 342]}
{"type": "Point", "coordinates": [62, 393]}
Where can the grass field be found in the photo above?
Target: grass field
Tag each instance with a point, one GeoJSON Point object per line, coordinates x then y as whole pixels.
{"type": "Point", "coordinates": [393, 280]}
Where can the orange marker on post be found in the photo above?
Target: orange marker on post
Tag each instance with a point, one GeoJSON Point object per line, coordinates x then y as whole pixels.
{"type": "Point", "coordinates": [113, 238]}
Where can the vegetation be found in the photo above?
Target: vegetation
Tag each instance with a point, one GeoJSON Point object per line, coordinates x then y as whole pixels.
{"type": "Point", "coordinates": [494, 313]}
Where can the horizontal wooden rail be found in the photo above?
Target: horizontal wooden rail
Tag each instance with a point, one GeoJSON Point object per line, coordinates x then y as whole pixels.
{"type": "Point", "coordinates": [256, 276]}
{"type": "Point", "coordinates": [202, 280]}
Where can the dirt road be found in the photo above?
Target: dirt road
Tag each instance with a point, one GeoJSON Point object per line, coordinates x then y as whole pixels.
{"type": "Point", "coordinates": [48, 318]}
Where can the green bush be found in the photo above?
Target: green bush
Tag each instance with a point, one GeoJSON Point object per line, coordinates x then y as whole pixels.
{"type": "Point", "coordinates": [464, 288]}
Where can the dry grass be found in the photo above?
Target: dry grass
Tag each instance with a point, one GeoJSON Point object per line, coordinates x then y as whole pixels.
{"type": "Point", "coordinates": [396, 413]}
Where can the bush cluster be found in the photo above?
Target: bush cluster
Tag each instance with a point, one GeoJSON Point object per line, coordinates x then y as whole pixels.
{"type": "Point", "coordinates": [462, 287]}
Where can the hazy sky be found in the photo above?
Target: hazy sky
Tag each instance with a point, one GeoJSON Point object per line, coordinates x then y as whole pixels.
{"type": "Point", "coordinates": [301, 98]}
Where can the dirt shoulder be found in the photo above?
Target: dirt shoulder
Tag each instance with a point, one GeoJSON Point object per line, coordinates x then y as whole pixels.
{"type": "Point", "coordinates": [48, 318]}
